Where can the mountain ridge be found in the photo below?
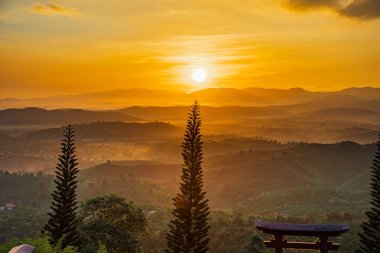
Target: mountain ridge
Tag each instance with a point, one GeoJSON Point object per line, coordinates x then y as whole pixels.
{"type": "Point", "coordinates": [109, 130]}
{"type": "Point", "coordinates": [40, 116]}
{"type": "Point", "coordinates": [249, 96]}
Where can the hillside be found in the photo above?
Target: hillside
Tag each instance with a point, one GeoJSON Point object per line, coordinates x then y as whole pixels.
{"type": "Point", "coordinates": [373, 104]}
{"type": "Point", "coordinates": [365, 93]}
{"type": "Point", "coordinates": [135, 169]}
{"type": "Point", "coordinates": [110, 130]}
{"type": "Point", "coordinates": [345, 114]}
{"type": "Point", "coordinates": [39, 116]}
{"type": "Point", "coordinates": [249, 173]}
{"type": "Point", "coordinates": [208, 112]}
{"type": "Point", "coordinates": [246, 175]}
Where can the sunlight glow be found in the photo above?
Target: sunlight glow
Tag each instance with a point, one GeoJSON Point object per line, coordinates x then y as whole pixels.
{"type": "Point", "coordinates": [199, 75]}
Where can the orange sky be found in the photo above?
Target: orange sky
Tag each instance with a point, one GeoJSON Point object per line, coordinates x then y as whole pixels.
{"type": "Point", "coordinates": [77, 46]}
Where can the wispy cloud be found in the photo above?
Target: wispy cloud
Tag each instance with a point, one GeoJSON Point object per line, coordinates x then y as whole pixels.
{"type": "Point", "coordinates": [305, 5]}
{"type": "Point", "coordinates": [356, 9]}
{"type": "Point", "coordinates": [53, 9]}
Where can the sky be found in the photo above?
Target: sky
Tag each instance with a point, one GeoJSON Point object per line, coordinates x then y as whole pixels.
{"type": "Point", "coordinates": [78, 46]}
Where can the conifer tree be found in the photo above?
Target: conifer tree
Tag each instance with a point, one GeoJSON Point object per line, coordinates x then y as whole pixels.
{"type": "Point", "coordinates": [62, 224]}
{"type": "Point", "coordinates": [370, 235]}
{"type": "Point", "coordinates": [189, 228]}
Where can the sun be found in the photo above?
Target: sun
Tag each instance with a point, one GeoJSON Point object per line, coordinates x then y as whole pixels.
{"type": "Point", "coordinates": [199, 75]}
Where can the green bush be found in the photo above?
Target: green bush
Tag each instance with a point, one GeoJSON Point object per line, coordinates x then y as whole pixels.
{"type": "Point", "coordinates": [41, 243]}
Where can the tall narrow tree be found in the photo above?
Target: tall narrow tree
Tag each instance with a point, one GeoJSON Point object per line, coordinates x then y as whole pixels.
{"type": "Point", "coordinates": [189, 228]}
{"type": "Point", "coordinates": [370, 235]}
{"type": "Point", "coordinates": [62, 224]}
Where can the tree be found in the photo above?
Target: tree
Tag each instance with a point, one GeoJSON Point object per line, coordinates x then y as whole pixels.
{"type": "Point", "coordinates": [21, 222]}
{"type": "Point", "coordinates": [370, 235]}
{"type": "Point", "coordinates": [189, 229]}
{"type": "Point", "coordinates": [62, 224]}
{"type": "Point", "coordinates": [113, 222]}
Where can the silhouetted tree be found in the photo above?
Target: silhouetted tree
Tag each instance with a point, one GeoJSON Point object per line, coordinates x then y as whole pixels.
{"type": "Point", "coordinates": [62, 224]}
{"type": "Point", "coordinates": [189, 229]}
{"type": "Point", "coordinates": [370, 235]}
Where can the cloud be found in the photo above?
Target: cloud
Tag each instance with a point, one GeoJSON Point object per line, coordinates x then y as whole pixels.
{"type": "Point", "coordinates": [53, 9]}
{"type": "Point", "coordinates": [39, 8]}
{"type": "Point", "coordinates": [362, 9]}
{"type": "Point", "coordinates": [356, 9]}
{"type": "Point", "coordinates": [304, 5]}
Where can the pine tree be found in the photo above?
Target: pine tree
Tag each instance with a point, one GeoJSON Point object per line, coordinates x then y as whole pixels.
{"type": "Point", "coordinates": [62, 224]}
{"type": "Point", "coordinates": [189, 228]}
{"type": "Point", "coordinates": [370, 235]}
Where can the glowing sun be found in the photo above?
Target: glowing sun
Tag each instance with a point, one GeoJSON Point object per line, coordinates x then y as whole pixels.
{"type": "Point", "coordinates": [199, 75]}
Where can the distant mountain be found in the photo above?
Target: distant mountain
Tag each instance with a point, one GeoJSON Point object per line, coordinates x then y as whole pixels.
{"type": "Point", "coordinates": [211, 97]}
{"type": "Point", "coordinates": [208, 112]}
{"type": "Point", "coordinates": [101, 100]}
{"type": "Point", "coordinates": [336, 100]}
{"type": "Point", "coordinates": [228, 97]}
{"type": "Point", "coordinates": [283, 96]}
{"type": "Point", "coordinates": [254, 96]}
{"type": "Point", "coordinates": [370, 104]}
{"type": "Point", "coordinates": [330, 100]}
{"type": "Point", "coordinates": [345, 114]}
{"type": "Point", "coordinates": [110, 130]}
{"type": "Point", "coordinates": [157, 112]}
{"type": "Point", "coordinates": [38, 116]}
{"type": "Point", "coordinates": [365, 93]}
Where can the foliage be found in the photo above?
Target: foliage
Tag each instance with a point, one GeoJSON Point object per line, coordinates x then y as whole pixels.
{"type": "Point", "coordinates": [41, 243]}
{"type": "Point", "coordinates": [32, 193]}
{"type": "Point", "coordinates": [189, 229]}
{"type": "Point", "coordinates": [370, 235]}
{"type": "Point", "coordinates": [256, 244]}
{"type": "Point", "coordinates": [21, 222]}
{"type": "Point", "coordinates": [231, 230]}
{"type": "Point", "coordinates": [62, 223]}
{"type": "Point", "coordinates": [317, 202]}
{"type": "Point", "coordinates": [157, 226]}
{"type": "Point", "coordinates": [101, 249]}
{"type": "Point", "coordinates": [113, 222]}
{"type": "Point", "coordinates": [140, 190]}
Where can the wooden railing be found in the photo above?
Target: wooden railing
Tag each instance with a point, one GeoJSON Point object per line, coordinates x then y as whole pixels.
{"type": "Point", "coordinates": [322, 231]}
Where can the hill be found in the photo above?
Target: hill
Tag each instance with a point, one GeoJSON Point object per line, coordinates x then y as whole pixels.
{"type": "Point", "coordinates": [212, 97]}
{"type": "Point", "coordinates": [135, 169]}
{"type": "Point", "coordinates": [100, 100]}
{"type": "Point", "coordinates": [244, 176]}
{"type": "Point", "coordinates": [345, 114]}
{"type": "Point", "coordinates": [365, 93]}
{"type": "Point", "coordinates": [110, 130]}
{"type": "Point", "coordinates": [228, 97]}
{"type": "Point", "coordinates": [327, 100]}
{"type": "Point", "coordinates": [373, 104]}
{"type": "Point", "coordinates": [249, 173]}
{"type": "Point", "coordinates": [208, 112]}
{"type": "Point", "coordinates": [39, 116]}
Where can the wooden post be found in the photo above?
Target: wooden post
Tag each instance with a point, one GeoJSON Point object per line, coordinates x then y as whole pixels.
{"type": "Point", "coordinates": [278, 240]}
{"type": "Point", "coordinates": [324, 244]}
